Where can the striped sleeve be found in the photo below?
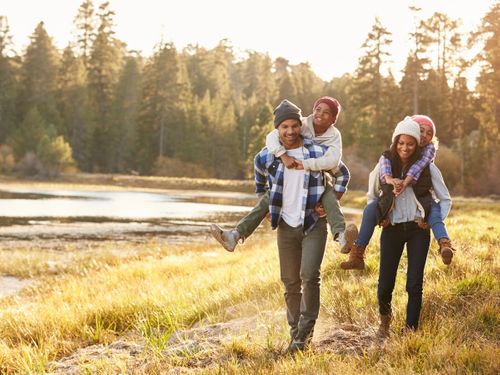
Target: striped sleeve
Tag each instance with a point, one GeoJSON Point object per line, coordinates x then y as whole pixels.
{"type": "Point", "coordinates": [416, 169]}
{"type": "Point", "coordinates": [385, 168]}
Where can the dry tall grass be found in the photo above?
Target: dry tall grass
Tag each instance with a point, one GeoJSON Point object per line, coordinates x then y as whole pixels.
{"type": "Point", "coordinates": [96, 296]}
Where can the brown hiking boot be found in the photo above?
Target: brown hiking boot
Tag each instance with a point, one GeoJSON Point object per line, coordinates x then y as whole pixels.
{"type": "Point", "coordinates": [446, 250]}
{"type": "Point", "coordinates": [385, 323]}
{"type": "Point", "coordinates": [356, 259]}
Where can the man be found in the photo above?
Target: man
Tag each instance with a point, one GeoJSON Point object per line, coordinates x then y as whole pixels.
{"type": "Point", "coordinates": [294, 195]}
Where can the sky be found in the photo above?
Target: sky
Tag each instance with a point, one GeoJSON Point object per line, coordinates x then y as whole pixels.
{"type": "Point", "coordinates": [327, 34]}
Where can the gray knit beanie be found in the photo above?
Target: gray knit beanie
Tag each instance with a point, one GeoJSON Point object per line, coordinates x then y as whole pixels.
{"type": "Point", "coordinates": [286, 110]}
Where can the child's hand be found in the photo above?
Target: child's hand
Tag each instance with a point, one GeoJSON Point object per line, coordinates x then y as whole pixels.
{"type": "Point", "coordinates": [339, 195]}
{"type": "Point", "coordinates": [404, 183]}
{"type": "Point", "coordinates": [268, 216]}
{"type": "Point", "coordinates": [384, 223]}
{"type": "Point", "coordinates": [398, 186]}
{"type": "Point", "coordinates": [288, 161]}
{"type": "Point", "coordinates": [320, 210]}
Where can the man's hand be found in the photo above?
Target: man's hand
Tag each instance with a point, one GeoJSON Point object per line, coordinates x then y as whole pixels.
{"type": "Point", "coordinates": [320, 210]}
{"type": "Point", "coordinates": [288, 161]}
{"type": "Point", "coordinates": [268, 216]}
{"type": "Point", "coordinates": [339, 195]}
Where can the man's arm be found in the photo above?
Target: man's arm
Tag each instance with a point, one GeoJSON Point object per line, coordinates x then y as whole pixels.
{"type": "Point", "coordinates": [260, 174]}
{"type": "Point", "coordinates": [342, 177]}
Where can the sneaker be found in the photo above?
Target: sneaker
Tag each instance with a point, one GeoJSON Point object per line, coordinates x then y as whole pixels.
{"type": "Point", "coordinates": [347, 238]}
{"type": "Point", "coordinates": [227, 238]}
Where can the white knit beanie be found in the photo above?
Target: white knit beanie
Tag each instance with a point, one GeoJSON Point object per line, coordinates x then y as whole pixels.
{"type": "Point", "coordinates": [408, 127]}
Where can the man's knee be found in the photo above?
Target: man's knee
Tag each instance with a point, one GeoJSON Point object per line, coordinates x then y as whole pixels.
{"type": "Point", "coordinates": [291, 285]}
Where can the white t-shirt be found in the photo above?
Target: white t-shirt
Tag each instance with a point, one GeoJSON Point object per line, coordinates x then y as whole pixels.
{"type": "Point", "coordinates": [293, 181]}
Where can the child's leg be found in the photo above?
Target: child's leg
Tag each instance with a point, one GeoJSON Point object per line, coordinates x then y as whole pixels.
{"type": "Point", "coordinates": [368, 224]}
{"type": "Point", "coordinates": [436, 222]}
{"type": "Point", "coordinates": [229, 238]}
{"type": "Point", "coordinates": [440, 233]}
{"type": "Point", "coordinates": [334, 214]}
{"type": "Point", "coordinates": [252, 220]}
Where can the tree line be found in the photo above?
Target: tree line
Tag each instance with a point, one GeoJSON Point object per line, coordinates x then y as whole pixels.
{"type": "Point", "coordinates": [203, 112]}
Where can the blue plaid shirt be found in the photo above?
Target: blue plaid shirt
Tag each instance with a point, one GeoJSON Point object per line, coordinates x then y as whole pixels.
{"type": "Point", "coordinates": [428, 153]}
{"type": "Point", "coordinates": [269, 173]}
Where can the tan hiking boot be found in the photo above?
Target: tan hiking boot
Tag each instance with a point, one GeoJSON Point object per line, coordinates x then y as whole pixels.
{"type": "Point", "coordinates": [356, 259]}
{"type": "Point", "coordinates": [347, 238]}
{"type": "Point", "coordinates": [446, 250]}
{"type": "Point", "coordinates": [385, 324]}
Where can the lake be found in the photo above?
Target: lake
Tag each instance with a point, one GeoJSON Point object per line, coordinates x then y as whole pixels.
{"type": "Point", "coordinates": [74, 214]}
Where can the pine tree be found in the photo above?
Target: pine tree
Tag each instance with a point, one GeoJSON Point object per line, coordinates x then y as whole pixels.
{"type": "Point", "coordinates": [85, 23]}
{"type": "Point", "coordinates": [8, 82]}
{"type": "Point", "coordinates": [158, 112]}
{"type": "Point", "coordinates": [74, 107]}
{"type": "Point", "coordinates": [125, 115]}
{"type": "Point", "coordinates": [39, 77]}
{"type": "Point", "coordinates": [368, 91]}
{"type": "Point", "coordinates": [105, 63]}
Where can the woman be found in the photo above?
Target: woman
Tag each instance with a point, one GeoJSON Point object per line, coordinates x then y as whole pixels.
{"type": "Point", "coordinates": [406, 215]}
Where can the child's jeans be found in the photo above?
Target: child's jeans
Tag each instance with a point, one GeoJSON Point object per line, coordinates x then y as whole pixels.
{"type": "Point", "coordinates": [436, 222]}
{"type": "Point", "coordinates": [252, 220]}
{"type": "Point", "coordinates": [368, 224]}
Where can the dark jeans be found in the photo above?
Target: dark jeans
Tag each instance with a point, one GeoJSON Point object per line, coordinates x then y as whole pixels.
{"type": "Point", "coordinates": [392, 241]}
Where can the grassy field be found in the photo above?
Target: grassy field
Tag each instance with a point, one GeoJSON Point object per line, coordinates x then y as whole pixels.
{"type": "Point", "coordinates": [129, 308]}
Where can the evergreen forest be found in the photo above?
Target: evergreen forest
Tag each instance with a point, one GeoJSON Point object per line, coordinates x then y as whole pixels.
{"type": "Point", "coordinates": [98, 107]}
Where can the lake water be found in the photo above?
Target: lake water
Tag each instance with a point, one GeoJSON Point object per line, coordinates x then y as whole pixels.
{"type": "Point", "coordinates": [35, 215]}
{"type": "Point", "coordinates": [130, 205]}
{"type": "Point", "coordinates": [48, 214]}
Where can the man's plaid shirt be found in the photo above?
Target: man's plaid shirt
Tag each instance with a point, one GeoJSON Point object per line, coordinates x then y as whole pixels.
{"type": "Point", "coordinates": [269, 173]}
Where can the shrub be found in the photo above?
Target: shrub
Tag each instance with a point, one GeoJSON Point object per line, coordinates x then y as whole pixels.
{"type": "Point", "coordinates": [450, 165]}
{"type": "Point", "coordinates": [29, 165]}
{"type": "Point", "coordinates": [7, 162]}
{"type": "Point", "coordinates": [55, 155]}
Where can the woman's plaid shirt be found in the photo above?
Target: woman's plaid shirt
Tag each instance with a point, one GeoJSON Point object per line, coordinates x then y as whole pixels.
{"type": "Point", "coordinates": [269, 172]}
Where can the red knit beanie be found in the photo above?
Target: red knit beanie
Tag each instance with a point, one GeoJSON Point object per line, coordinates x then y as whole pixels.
{"type": "Point", "coordinates": [330, 102]}
{"type": "Point", "coordinates": [425, 121]}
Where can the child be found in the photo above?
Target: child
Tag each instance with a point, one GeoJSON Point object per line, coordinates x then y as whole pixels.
{"type": "Point", "coordinates": [370, 214]}
{"type": "Point", "coordinates": [319, 126]}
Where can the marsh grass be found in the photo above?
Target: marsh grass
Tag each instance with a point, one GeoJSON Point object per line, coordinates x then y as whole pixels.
{"type": "Point", "coordinates": [82, 297]}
